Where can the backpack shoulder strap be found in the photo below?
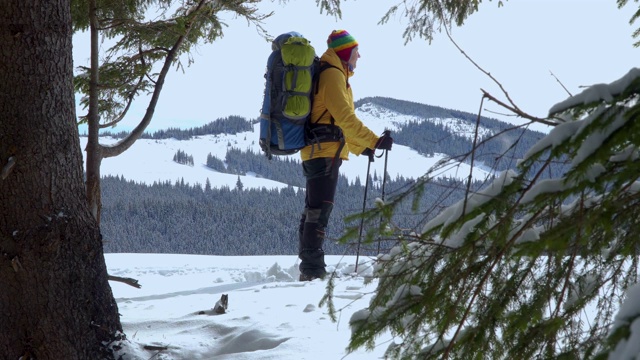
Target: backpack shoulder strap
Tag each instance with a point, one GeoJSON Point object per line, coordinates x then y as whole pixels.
{"type": "Point", "coordinates": [323, 66]}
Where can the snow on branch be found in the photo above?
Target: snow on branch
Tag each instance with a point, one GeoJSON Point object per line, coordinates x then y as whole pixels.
{"type": "Point", "coordinates": [454, 212]}
{"type": "Point", "coordinates": [599, 92]}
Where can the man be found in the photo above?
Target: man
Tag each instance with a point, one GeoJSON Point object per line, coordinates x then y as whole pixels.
{"type": "Point", "coordinates": [332, 117]}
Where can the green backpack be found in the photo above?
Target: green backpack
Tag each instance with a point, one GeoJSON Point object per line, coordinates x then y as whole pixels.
{"type": "Point", "coordinates": [293, 70]}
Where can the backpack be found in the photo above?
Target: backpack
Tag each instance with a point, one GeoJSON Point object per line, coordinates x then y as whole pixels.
{"type": "Point", "coordinates": [293, 71]}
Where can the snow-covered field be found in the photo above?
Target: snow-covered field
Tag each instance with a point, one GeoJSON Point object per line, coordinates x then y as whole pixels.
{"type": "Point", "coordinates": [270, 314]}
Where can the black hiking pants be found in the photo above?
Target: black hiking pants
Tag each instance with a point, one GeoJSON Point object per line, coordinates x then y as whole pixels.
{"type": "Point", "coordinates": [322, 180]}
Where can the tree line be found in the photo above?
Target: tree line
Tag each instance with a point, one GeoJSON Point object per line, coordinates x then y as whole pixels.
{"type": "Point", "coordinates": [225, 125]}
{"type": "Point", "coordinates": [167, 217]}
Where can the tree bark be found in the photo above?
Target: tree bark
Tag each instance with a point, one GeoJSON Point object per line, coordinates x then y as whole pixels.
{"type": "Point", "coordinates": [55, 300]}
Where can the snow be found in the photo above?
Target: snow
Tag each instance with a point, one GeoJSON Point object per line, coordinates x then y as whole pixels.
{"type": "Point", "coordinates": [544, 187]}
{"type": "Point", "coordinates": [598, 92]}
{"type": "Point", "coordinates": [270, 314]}
{"type": "Point", "coordinates": [571, 129]}
{"type": "Point", "coordinates": [555, 137]}
{"type": "Point", "coordinates": [596, 138]}
{"type": "Point", "coordinates": [464, 206]}
{"type": "Point", "coordinates": [148, 161]}
{"type": "Point", "coordinates": [628, 315]}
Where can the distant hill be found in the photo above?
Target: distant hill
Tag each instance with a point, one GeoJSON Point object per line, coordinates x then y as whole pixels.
{"type": "Point", "coordinates": [229, 125]}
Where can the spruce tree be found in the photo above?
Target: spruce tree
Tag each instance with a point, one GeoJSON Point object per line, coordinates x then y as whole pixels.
{"type": "Point", "coordinates": [239, 185]}
{"type": "Point", "coordinates": [535, 264]}
{"type": "Point", "coordinates": [141, 52]}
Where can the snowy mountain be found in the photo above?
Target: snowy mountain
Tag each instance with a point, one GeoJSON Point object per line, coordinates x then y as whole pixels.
{"type": "Point", "coordinates": [372, 113]}
{"type": "Point", "coordinates": [149, 160]}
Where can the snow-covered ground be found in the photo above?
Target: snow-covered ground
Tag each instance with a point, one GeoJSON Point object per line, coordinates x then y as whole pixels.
{"type": "Point", "coordinates": [270, 314]}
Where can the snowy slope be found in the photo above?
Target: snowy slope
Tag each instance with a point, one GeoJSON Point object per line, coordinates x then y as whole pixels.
{"type": "Point", "coordinates": [148, 161]}
{"type": "Point", "coordinates": [377, 118]}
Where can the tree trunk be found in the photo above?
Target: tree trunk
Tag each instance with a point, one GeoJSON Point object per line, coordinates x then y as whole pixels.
{"type": "Point", "coordinates": [55, 300]}
{"type": "Point", "coordinates": [93, 148]}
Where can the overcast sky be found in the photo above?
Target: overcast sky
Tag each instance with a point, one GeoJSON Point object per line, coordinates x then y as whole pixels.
{"type": "Point", "coordinates": [582, 42]}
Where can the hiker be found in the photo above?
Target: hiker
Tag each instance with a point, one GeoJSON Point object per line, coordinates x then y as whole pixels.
{"type": "Point", "coordinates": [332, 106]}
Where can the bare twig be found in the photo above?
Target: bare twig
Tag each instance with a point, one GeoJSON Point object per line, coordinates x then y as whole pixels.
{"type": "Point", "coordinates": [513, 107]}
{"type": "Point", "coordinates": [480, 68]}
{"type": "Point", "coordinates": [499, 113]}
{"type": "Point", "coordinates": [473, 155]}
{"type": "Point", "coordinates": [127, 142]}
{"type": "Point", "coordinates": [155, 348]}
{"type": "Point", "coordinates": [560, 82]}
{"type": "Point", "coordinates": [517, 110]}
{"type": "Point", "coordinates": [128, 281]}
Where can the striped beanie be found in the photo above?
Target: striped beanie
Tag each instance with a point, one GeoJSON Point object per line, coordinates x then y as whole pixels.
{"type": "Point", "coordinates": [342, 42]}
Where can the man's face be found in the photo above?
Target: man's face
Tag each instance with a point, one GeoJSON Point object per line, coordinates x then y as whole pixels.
{"type": "Point", "coordinates": [355, 55]}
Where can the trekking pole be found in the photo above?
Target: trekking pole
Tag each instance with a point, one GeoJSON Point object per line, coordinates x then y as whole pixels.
{"type": "Point", "coordinates": [364, 205]}
{"type": "Point", "coordinates": [384, 180]}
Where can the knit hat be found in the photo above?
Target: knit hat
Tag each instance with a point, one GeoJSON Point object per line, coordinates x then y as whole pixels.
{"type": "Point", "coordinates": [343, 43]}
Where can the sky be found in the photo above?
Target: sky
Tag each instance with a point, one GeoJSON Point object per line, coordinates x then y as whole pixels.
{"type": "Point", "coordinates": [582, 42]}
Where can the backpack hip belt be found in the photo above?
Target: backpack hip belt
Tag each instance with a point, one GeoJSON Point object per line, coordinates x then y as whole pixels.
{"type": "Point", "coordinates": [320, 133]}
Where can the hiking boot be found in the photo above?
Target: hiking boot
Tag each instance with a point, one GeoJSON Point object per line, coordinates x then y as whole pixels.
{"type": "Point", "coordinates": [312, 264]}
{"type": "Point", "coordinates": [311, 277]}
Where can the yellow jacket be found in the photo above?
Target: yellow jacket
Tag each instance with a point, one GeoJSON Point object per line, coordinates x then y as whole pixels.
{"type": "Point", "coordinates": [335, 96]}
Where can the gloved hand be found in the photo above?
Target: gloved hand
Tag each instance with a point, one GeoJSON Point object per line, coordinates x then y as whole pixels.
{"type": "Point", "coordinates": [368, 152]}
{"type": "Point", "coordinates": [385, 141]}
